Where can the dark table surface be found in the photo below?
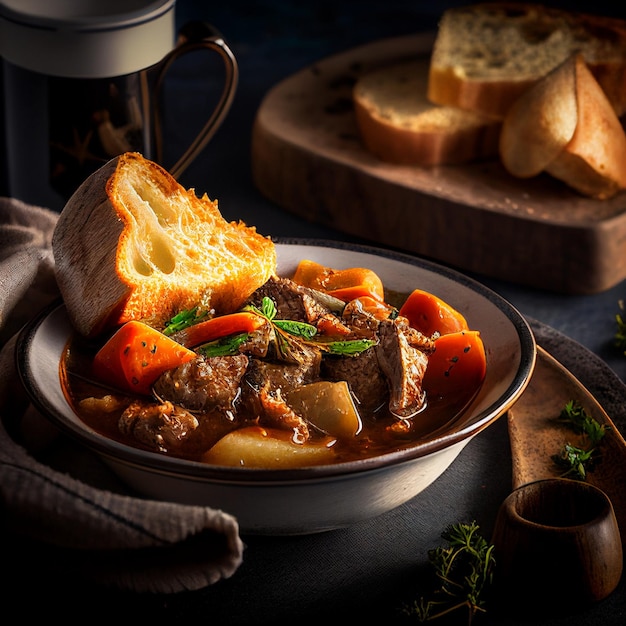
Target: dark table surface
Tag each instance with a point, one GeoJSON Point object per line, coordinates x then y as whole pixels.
{"type": "Point", "coordinates": [366, 570]}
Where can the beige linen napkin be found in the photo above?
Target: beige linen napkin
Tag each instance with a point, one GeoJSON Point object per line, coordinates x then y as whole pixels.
{"type": "Point", "coordinates": [112, 536]}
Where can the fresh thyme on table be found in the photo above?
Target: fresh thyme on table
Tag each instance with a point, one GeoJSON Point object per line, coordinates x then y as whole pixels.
{"type": "Point", "coordinates": [464, 572]}
{"type": "Point", "coordinates": [578, 460]}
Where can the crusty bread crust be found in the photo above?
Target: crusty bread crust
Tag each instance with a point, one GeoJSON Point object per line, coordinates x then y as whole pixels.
{"type": "Point", "coordinates": [132, 243]}
{"type": "Point", "coordinates": [490, 97]}
{"type": "Point", "coordinates": [399, 125]}
{"type": "Point", "coordinates": [594, 161]}
{"type": "Point", "coordinates": [565, 125]}
{"type": "Point", "coordinates": [485, 55]}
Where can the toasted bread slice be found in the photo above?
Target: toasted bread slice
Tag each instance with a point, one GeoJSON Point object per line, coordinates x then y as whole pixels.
{"type": "Point", "coordinates": [566, 126]}
{"type": "Point", "coordinates": [133, 244]}
{"type": "Point", "coordinates": [487, 54]}
{"type": "Point", "coordinates": [594, 161]}
{"type": "Point", "coordinates": [399, 125]}
{"type": "Point", "coordinates": [540, 123]}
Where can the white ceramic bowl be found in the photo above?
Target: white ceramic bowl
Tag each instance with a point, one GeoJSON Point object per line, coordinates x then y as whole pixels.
{"type": "Point", "coordinates": [315, 499]}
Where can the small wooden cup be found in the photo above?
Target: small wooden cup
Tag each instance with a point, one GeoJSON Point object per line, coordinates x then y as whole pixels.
{"type": "Point", "coordinates": [557, 542]}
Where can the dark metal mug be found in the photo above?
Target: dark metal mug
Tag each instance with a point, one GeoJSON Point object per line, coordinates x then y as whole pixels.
{"type": "Point", "coordinates": [93, 89]}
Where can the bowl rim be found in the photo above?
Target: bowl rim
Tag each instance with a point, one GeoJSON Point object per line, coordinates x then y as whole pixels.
{"type": "Point", "coordinates": [436, 442]}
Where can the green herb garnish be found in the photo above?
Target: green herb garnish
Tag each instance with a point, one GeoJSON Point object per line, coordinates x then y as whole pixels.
{"type": "Point", "coordinates": [287, 331]}
{"type": "Point", "coordinates": [307, 333]}
{"type": "Point", "coordinates": [349, 348]}
{"type": "Point", "coordinates": [183, 320]}
{"type": "Point", "coordinates": [298, 329]}
{"type": "Point", "coordinates": [226, 346]}
{"type": "Point", "coordinates": [574, 415]}
{"type": "Point", "coordinates": [464, 571]}
{"type": "Point", "coordinates": [578, 460]}
{"type": "Point", "coordinates": [575, 461]}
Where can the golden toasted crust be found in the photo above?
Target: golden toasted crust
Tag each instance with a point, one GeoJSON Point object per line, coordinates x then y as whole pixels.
{"type": "Point", "coordinates": [594, 161]}
{"type": "Point", "coordinates": [566, 126]}
{"type": "Point", "coordinates": [132, 243]}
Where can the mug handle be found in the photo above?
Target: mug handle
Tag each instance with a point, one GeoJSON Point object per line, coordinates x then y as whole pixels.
{"type": "Point", "coordinates": [197, 36]}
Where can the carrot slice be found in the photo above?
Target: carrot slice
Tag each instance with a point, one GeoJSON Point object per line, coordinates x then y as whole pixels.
{"type": "Point", "coordinates": [136, 355]}
{"type": "Point", "coordinates": [357, 291]}
{"type": "Point", "coordinates": [458, 364]}
{"type": "Point", "coordinates": [331, 326]}
{"type": "Point", "coordinates": [217, 327]}
{"type": "Point", "coordinates": [429, 314]}
{"type": "Point", "coordinates": [346, 284]}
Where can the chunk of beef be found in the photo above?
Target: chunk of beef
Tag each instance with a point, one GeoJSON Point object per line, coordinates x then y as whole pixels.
{"type": "Point", "coordinates": [414, 337]}
{"type": "Point", "coordinates": [365, 379]}
{"type": "Point", "coordinates": [162, 427]}
{"type": "Point", "coordinates": [292, 301]}
{"type": "Point", "coordinates": [204, 383]}
{"type": "Point", "coordinates": [277, 413]}
{"type": "Point", "coordinates": [404, 366]}
{"type": "Point", "coordinates": [304, 369]}
{"type": "Point", "coordinates": [362, 322]}
{"type": "Point", "coordinates": [393, 370]}
{"type": "Point", "coordinates": [258, 341]}
{"type": "Point", "coordinates": [266, 383]}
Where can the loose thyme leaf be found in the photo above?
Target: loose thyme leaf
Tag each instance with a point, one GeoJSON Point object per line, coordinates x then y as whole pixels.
{"type": "Point", "coordinates": [576, 460]}
{"type": "Point", "coordinates": [574, 415]}
{"type": "Point", "coordinates": [299, 329]}
{"type": "Point", "coordinates": [349, 347]}
{"type": "Point", "coordinates": [268, 308]}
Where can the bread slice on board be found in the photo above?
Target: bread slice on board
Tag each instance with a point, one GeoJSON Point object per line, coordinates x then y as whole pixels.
{"type": "Point", "coordinates": [486, 55]}
{"type": "Point", "coordinates": [399, 125]}
{"type": "Point", "coordinates": [132, 243]}
{"type": "Point", "coordinates": [564, 125]}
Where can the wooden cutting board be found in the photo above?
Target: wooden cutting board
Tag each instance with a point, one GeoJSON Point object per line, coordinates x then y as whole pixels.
{"type": "Point", "coordinates": [307, 157]}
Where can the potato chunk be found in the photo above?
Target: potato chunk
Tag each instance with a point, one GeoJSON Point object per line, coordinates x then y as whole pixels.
{"type": "Point", "coordinates": [266, 448]}
{"type": "Point", "coordinates": [328, 406]}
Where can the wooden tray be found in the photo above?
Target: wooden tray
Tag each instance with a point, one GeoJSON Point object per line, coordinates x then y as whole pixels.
{"type": "Point", "coordinates": [536, 434]}
{"type": "Point", "coordinates": [307, 158]}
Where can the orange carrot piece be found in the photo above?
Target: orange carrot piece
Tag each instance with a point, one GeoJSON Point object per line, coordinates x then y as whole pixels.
{"type": "Point", "coordinates": [429, 314]}
{"type": "Point", "coordinates": [136, 355]}
{"type": "Point", "coordinates": [330, 325]}
{"type": "Point", "coordinates": [217, 327]}
{"type": "Point", "coordinates": [345, 284]}
{"type": "Point", "coordinates": [356, 291]}
{"type": "Point", "coordinates": [458, 364]}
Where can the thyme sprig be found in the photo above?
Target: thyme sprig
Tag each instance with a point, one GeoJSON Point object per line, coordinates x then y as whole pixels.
{"type": "Point", "coordinates": [578, 460]}
{"type": "Point", "coordinates": [308, 332]}
{"type": "Point", "coordinates": [464, 571]}
{"type": "Point", "coordinates": [286, 329]}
